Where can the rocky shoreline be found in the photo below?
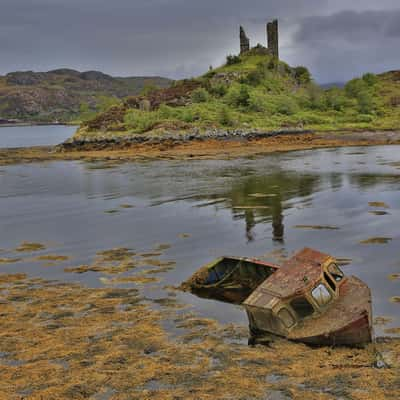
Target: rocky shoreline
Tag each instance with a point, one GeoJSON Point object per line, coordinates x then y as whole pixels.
{"type": "Point", "coordinates": [183, 147]}
{"type": "Point", "coordinates": [104, 141]}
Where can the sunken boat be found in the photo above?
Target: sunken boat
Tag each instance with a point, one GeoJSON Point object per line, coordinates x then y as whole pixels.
{"type": "Point", "coordinates": [308, 299]}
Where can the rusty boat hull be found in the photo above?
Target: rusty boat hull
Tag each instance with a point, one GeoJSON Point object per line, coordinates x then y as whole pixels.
{"type": "Point", "coordinates": [347, 323]}
{"type": "Point", "coordinates": [229, 279]}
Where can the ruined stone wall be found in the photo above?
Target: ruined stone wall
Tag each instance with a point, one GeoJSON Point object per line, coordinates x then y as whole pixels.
{"type": "Point", "coordinates": [244, 41]}
{"type": "Point", "coordinates": [273, 38]}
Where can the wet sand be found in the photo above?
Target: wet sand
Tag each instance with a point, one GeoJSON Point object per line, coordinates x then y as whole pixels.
{"type": "Point", "coordinates": [202, 149]}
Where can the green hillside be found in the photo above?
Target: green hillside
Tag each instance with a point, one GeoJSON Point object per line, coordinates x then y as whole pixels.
{"type": "Point", "coordinates": [65, 95]}
{"type": "Point", "coordinates": [255, 92]}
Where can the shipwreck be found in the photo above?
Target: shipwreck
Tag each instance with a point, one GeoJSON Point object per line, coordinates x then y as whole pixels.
{"type": "Point", "coordinates": [307, 299]}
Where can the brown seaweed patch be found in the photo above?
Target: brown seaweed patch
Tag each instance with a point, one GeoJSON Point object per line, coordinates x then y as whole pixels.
{"type": "Point", "coordinates": [162, 247]}
{"type": "Point", "coordinates": [10, 278]}
{"type": "Point", "coordinates": [116, 254]}
{"type": "Point", "coordinates": [30, 247]}
{"type": "Point", "coordinates": [149, 255]}
{"type": "Point", "coordinates": [52, 257]}
{"type": "Point", "coordinates": [317, 227]}
{"type": "Point", "coordinates": [184, 235]}
{"type": "Point", "coordinates": [395, 299]}
{"type": "Point", "coordinates": [9, 260]}
{"type": "Point", "coordinates": [113, 211]}
{"type": "Point", "coordinates": [382, 320]}
{"type": "Point", "coordinates": [378, 204]}
{"type": "Point", "coordinates": [376, 240]}
{"type": "Point", "coordinates": [393, 331]}
{"type": "Point", "coordinates": [108, 269]}
{"type": "Point", "coordinates": [394, 277]}
{"type": "Point", "coordinates": [76, 342]}
{"type": "Point", "coordinates": [379, 213]}
{"type": "Point", "coordinates": [127, 206]}
{"type": "Point", "coordinates": [138, 279]}
{"type": "Point", "coordinates": [251, 207]}
{"type": "Point", "coordinates": [262, 195]}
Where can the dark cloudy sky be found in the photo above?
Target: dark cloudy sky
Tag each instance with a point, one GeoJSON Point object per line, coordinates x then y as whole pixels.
{"type": "Point", "coordinates": [336, 39]}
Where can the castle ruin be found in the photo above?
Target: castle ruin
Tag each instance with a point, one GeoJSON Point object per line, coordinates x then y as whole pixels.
{"type": "Point", "coordinates": [272, 29]}
{"type": "Point", "coordinates": [244, 41]}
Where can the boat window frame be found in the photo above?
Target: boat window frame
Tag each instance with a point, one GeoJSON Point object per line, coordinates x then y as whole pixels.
{"type": "Point", "coordinates": [337, 281]}
{"type": "Point", "coordinates": [290, 313]}
{"type": "Point", "coordinates": [328, 291]}
{"type": "Point", "coordinates": [311, 303]}
{"type": "Point", "coordinates": [330, 281]}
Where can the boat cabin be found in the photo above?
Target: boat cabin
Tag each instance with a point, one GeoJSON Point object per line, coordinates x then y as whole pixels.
{"type": "Point", "coordinates": [303, 288]}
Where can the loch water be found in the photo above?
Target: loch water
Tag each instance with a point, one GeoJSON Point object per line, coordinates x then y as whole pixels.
{"type": "Point", "coordinates": [39, 135]}
{"type": "Point", "coordinates": [342, 201]}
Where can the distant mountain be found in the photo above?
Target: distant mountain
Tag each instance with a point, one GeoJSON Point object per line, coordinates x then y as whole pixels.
{"type": "Point", "coordinates": [331, 85]}
{"type": "Point", "coordinates": [64, 94]}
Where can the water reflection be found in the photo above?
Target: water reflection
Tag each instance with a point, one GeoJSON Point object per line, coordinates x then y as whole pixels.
{"type": "Point", "coordinates": [261, 199]}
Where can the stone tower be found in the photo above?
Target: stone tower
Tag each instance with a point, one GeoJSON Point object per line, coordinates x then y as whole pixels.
{"type": "Point", "coordinates": [273, 38]}
{"type": "Point", "coordinates": [244, 41]}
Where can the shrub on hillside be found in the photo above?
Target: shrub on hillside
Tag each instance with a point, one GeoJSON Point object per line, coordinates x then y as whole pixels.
{"type": "Point", "coordinates": [370, 79]}
{"type": "Point", "coordinates": [200, 95]}
{"type": "Point", "coordinates": [354, 87]}
{"type": "Point", "coordinates": [365, 102]}
{"type": "Point", "coordinates": [225, 117]}
{"type": "Point", "coordinates": [139, 121]}
{"type": "Point", "coordinates": [238, 96]}
{"type": "Point", "coordinates": [302, 75]}
{"type": "Point", "coordinates": [233, 59]}
{"type": "Point", "coordinates": [285, 105]}
{"type": "Point", "coordinates": [336, 100]}
{"type": "Point", "coordinates": [218, 89]}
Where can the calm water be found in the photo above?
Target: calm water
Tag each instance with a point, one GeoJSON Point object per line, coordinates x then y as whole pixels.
{"type": "Point", "coordinates": [220, 205]}
{"type": "Point", "coordinates": [26, 136]}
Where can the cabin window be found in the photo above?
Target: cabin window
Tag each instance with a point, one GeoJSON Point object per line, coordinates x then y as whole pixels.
{"type": "Point", "coordinates": [335, 272]}
{"type": "Point", "coordinates": [302, 307]}
{"type": "Point", "coordinates": [321, 295]}
{"type": "Point", "coordinates": [286, 317]}
{"type": "Point", "coordinates": [331, 283]}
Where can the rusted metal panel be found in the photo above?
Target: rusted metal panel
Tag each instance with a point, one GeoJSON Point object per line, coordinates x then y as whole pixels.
{"type": "Point", "coordinates": [295, 276]}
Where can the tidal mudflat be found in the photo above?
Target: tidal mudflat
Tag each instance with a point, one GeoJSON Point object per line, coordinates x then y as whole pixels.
{"type": "Point", "coordinates": [89, 299]}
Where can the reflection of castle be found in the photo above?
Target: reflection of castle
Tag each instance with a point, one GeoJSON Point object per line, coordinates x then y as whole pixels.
{"type": "Point", "coordinates": [259, 199]}
{"type": "Point", "coordinates": [272, 39]}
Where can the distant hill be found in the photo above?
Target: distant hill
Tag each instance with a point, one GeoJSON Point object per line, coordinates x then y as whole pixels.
{"type": "Point", "coordinates": [64, 94]}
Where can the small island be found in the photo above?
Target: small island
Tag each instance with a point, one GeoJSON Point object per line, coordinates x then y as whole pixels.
{"type": "Point", "coordinates": [254, 95]}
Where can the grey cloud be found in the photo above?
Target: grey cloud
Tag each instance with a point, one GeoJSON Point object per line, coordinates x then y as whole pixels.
{"type": "Point", "coordinates": [340, 46]}
{"type": "Point", "coordinates": [179, 38]}
{"type": "Point", "coordinates": [351, 26]}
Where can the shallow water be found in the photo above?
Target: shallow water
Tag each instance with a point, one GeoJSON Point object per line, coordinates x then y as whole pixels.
{"type": "Point", "coordinates": [203, 209]}
{"type": "Point", "coordinates": [27, 136]}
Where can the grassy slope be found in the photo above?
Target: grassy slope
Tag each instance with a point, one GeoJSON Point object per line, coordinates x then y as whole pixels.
{"type": "Point", "coordinates": [256, 94]}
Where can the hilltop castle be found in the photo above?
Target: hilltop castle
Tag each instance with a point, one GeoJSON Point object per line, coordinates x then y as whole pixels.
{"type": "Point", "coordinates": [272, 39]}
